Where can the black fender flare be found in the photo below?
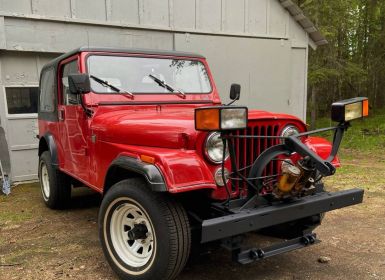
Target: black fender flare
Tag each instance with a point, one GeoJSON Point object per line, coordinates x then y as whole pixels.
{"type": "Point", "coordinates": [52, 148]}
{"type": "Point", "coordinates": [150, 172]}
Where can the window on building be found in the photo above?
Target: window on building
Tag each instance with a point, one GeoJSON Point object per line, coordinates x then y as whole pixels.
{"type": "Point", "coordinates": [69, 68]}
{"type": "Point", "coordinates": [22, 100]}
{"type": "Point", "coordinates": [47, 94]}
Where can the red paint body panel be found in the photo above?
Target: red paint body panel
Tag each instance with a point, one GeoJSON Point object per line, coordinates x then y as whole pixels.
{"type": "Point", "coordinates": [156, 125]}
{"type": "Point", "coordinates": [323, 148]}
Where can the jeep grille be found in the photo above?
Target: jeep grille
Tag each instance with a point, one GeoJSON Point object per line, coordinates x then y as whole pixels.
{"type": "Point", "coordinates": [248, 149]}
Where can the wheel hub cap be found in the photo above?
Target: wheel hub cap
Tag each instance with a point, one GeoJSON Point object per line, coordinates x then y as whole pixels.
{"type": "Point", "coordinates": [138, 232]}
{"type": "Point", "coordinates": [132, 235]}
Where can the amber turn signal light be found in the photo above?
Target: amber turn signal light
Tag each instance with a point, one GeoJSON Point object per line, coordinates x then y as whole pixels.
{"type": "Point", "coordinates": [350, 109]}
{"type": "Point", "coordinates": [220, 118]}
{"type": "Point", "coordinates": [147, 159]}
{"type": "Point", "coordinates": [207, 119]}
{"type": "Point", "coordinates": [365, 108]}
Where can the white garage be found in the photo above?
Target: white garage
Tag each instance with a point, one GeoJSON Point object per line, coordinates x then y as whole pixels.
{"type": "Point", "coordinates": [261, 44]}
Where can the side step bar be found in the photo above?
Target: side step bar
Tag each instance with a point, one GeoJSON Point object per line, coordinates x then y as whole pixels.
{"type": "Point", "coordinates": [257, 218]}
{"type": "Point", "coordinates": [251, 255]}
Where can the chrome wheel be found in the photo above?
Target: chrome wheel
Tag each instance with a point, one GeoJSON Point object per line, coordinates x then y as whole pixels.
{"type": "Point", "coordinates": [132, 235]}
{"type": "Point", "coordinates": [44, 181]}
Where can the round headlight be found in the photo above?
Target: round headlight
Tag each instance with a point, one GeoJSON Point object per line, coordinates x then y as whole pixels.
{"type": "Point", "coordinates": [289, 131]}
{"type": "Point", "coordinates": [218, 177]}
{"type": "Point", "coordinates": [214, 148]}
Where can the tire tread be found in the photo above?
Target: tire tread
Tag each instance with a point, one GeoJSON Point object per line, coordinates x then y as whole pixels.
{"type": "Point", "coordinates": [175, 217]}
{"type": "Point", "coordinates": [60, 187]}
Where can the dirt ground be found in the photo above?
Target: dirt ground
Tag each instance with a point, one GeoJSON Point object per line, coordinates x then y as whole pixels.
{"type": "Point", "coordinates": [38, 243]}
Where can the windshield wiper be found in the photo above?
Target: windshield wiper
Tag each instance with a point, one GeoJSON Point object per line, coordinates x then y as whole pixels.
{"type": "Point", "coordinates": [114, 88]}
{"type": "Point", "coordinates": [163, 84]}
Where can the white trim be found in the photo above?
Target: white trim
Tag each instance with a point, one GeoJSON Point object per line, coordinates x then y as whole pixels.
{"type": "Point", "coordinates": [171, 14]}
{"type": "Point", "coordinates": [108, 5]}
{"type": "Point", "coordinates": [21, 85]}
{"type": "Point", "coordinates": [223, 15]}
{"type": "Point", "coordinates": [22, 179]}
{"type": "Point", "coordinates": [3, 122]}
{"type": "Point", "coordinates": [17, 116]}
{"type": "Point", "coordinates": [21, 116]}
{"type": "Point", "coordinates": [3, 42]}
{"type": "Point", "coordinates": [24, 147]}
{"type": "Point", "coordinates": [287, 25]}
{"type": "Point", "coordinates": [304, 22]}
{"type": "Point", "coordinates": [19, 183]}
{"type": "Point", "coordinates": [140, 12]}
{"type": "Point", "coordinates": [73, 8]}
{"type": "Point", "coordinates": [312, 44]}
{"type": "Point", "coordinates": [141, 26]}
{"type": "Point", "coordinates": [246, 16]}
{"type": "Point", "coordinates": [268, 10]}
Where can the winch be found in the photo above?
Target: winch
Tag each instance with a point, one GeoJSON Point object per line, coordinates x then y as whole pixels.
{"type": "Point", "coordinates": [296, 180]}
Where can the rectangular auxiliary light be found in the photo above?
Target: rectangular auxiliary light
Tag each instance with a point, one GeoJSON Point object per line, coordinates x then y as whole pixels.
{"type": "Point", "coordinates": [220, 118]}
{"type": "Point", "coordinates": [350, 109]}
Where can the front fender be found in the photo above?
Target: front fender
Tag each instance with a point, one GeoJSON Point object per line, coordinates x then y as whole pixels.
{"type": "Point", "coordinates": [182, 170]}
{"type": "Point", "coordinates": [322, 148]}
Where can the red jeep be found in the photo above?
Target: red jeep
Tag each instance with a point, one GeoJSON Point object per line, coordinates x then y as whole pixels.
{"type": "Point", "coordinates": [175, 166]}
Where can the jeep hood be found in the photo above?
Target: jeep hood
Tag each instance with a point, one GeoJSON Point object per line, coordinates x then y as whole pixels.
{"type": "Point", "coordinates": [156, 126]}
{"type": "Point", "coordinates": [147, 127]}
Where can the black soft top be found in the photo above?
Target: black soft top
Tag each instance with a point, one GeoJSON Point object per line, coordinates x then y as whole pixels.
{"type": "Point", "coordinates": [55, 62]}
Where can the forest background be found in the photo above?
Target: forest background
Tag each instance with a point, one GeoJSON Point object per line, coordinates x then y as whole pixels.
{"type": "Point", "coordinates": [353, 62]}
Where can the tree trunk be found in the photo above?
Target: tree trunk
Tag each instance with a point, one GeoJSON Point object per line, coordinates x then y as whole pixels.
{"type": "Point", "coordinates": [313, 106]}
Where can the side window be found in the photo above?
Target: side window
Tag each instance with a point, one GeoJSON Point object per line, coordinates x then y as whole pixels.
{"type": "Point", "coordinates": [69, 68]}
{"type": "Point", "coordinates": [47, 91]}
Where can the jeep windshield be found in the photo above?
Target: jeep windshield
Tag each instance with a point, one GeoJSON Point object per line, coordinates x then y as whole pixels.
{"type": "Point", "coordinates": [136, 75]}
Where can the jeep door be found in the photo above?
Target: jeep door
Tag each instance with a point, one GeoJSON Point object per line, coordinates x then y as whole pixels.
{"type": "Point", "coordinates": [73, 123]}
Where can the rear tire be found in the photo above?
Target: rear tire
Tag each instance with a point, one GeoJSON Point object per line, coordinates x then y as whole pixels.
{"type": "Point", "coordinates": [55, 185]}
{"type": "Point", "coordinates": [144, 235]}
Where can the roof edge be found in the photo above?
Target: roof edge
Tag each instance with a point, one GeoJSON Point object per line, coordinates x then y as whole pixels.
{"type": "Point", "coordinates": [315, 35]}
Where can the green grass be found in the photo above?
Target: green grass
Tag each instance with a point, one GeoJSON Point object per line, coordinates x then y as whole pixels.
{"type": "Point", "coordinates": [362, 155]}
{"type": "Point", "coordinates": [8, 213]}
{"type": "Point", "coordinates": [366, 136]}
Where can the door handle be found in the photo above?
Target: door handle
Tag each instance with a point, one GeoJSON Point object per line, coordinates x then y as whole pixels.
{"type": "Point", "coordinates": [61, 114]}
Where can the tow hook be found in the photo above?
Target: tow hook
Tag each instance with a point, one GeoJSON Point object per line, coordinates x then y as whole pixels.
{"type": "Point", "coordinates": [310, 239]}
{"type": "Point", "coordinates": [254, 254]}
{"type": "Point", "coordinates": [257, 254]}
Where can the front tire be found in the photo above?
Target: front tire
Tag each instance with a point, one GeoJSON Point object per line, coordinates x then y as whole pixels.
{"type": "Point", "coordinates": [55, 185]}
{"type": "Point", "coordinates": [144, 235]}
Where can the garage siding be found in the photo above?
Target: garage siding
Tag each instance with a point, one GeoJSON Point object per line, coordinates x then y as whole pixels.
{"type": "Point", "coordinates": [252, 42]}
{"type": "Point", "coordinates": [20, 70]}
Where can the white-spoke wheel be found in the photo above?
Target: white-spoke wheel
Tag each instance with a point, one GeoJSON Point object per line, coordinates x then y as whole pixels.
{"type": "Point", "coordinates": [44, 181]}
{"type": "Point", "coordinates": [144, 235]}
{"type": "Point", "coordinates": [55, 185]}
{"type": "Point", "coordinates": [132, 234]}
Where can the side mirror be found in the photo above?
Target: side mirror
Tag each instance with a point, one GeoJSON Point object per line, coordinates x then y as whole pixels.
{"type": "Point", "coordinates": [235, 92]}
{"type": "Point", "coordinates": [79, 83]}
